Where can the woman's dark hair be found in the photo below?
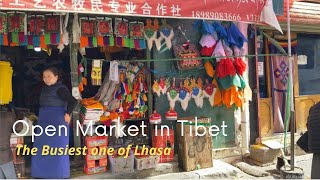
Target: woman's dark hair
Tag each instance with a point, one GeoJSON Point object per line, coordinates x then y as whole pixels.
{"type": "Point", "coordinates": [54, 70]}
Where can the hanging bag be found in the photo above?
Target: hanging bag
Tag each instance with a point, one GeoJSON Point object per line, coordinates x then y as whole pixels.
{"type": "Point", "coordinates": [188, 53]}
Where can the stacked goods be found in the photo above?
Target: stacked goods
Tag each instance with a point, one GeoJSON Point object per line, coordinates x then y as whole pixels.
{"type": "Point", "coordinates": [5, 83]}
{"type": "Point", "coordinates": [18, 161]}
{"type": "Point", "coordinates": [164, 141]}
{"type": "Point", "coordinates": [121, 164]}
{"type": "Point", "coordinates": [143, 161]}
{"type": "Point", "coordinates": [96, 158]}
{"type": "Point", "coordinates": [195, 152]}
{"type": "Point", "coordinates": [90, 111]}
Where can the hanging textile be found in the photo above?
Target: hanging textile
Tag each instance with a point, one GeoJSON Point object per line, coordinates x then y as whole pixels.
{"type": "Point", "coordinates": [166, 33]}
{"type": "Point", "coordinates": [88, 32]}
{"type": "Point", "coordinates": [280, 72]}
{"type": "Point", "coordinates": [150, 34]}
{"type": "Point", "coordinates": [36, 25]}
{"type": "Point", "coordinates": [3, 29]}
{"type": "Point", "coordinates": [5, 83]}
{"type": "Point", "coordinates": [105, 32]}
{"type": "Point", "coordinates": [121, 28]}
{"type": "Point", "coordinates": [16, 25]}
{"type": "Point", "coordinates": [53, 26]}
{"type": "Point", "coordinates": [96, 72]}
{"type": "Point", "coordinates": [137, 40]}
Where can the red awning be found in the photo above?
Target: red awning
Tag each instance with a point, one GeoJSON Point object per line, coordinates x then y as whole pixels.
{"type": "Point", "coordinates": [230, 10]}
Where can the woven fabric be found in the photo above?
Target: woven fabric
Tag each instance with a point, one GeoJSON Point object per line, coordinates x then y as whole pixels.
{"type": "Point", "coordinates": [36, 25]}
{"type": "Point", "coordinates": [3, 23]}
{"type": "Point", "coordinates": [52, 24]}
{"type": "Point", "coordinates": [16, 22]}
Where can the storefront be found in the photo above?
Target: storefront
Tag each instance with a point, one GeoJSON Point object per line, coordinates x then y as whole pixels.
{"type": "Point", "coordinates": [123, 65]}
{"type": "Point", "coordinates": [305, 35]}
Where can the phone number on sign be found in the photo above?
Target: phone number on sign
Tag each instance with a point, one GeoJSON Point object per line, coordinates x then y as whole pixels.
{"type": "Point", "coordinates": [216, 15]}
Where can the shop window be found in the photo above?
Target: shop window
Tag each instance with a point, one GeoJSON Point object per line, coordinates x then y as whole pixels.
{"type": "Point", "coordinates": [278, 7]}
{"type": "Point", "coordinates": [309, 74]}
{"type": "Point", "coordinates": [307, 46]}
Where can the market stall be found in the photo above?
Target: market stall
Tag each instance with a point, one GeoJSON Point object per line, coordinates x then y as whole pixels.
{"type": "Point", "coordinates": [154, 71]}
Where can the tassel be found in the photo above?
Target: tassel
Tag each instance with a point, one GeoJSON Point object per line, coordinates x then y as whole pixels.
{"type": "Point", "coordinates": [100, 41]}
{"type": "Point", "coordinates": [142, 44]}
{"type": "Point", "coordinates": [42, 42]}
{"type": "Point", "coordinates": [126, 42]}
{"type": "Point", "coordinates": [30, 40]}
{"type": "Point", "coordinates": [5, 40]}
{"type": "Point", "coordinates": [1, 39]}
{"type": "Point", "coordinates": [15, 37]}
{"type": "Point", "coordinates": [58, 38]}
{"type": "Point", "coordinates": [132, 43]}
{"type": "Point", "coordinates": [90, 41]}
{"type": "Point", "coordinates": [47, 38]}
{"type": "Point", "coordinates": [94, 41]}
{"type": "Point", "coordinates": [111, 40]}
{"type": "Point", "coordinates": [21, 38]}
{"type": "Point", "coordinates": [136, 44]}
{"type": "Point", "coordinates": [106, 41]}
{"type": "Point", "coordinates": [53, 38]}
{"type": "Point", "coordinates": [83, 42]}
{"type": "Point", "coordinates": [119, 41]}
{"type": "Point", "coordinates": [36, 41]}
{"type": "Point", "coordinates": [9, 38]}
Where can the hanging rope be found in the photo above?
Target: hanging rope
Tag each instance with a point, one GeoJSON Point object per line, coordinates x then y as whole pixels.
{"type": "Point", "coordinates": [179, 59]}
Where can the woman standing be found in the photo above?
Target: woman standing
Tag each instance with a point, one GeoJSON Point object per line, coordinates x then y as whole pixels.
{"type": "Point", "coordinates": [314, 139]}
{"type": "Point", "coordinates": [56, 105]}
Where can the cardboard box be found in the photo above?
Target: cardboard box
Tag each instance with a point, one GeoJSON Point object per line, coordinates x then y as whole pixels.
{"type": "Point", "coordinates": [94, 141]}
{"type": "Point", "coordinates": [16, 140]}
{"type": "Point", "coordinates": [95, 170]}
{"type": "Point", "coordinates": [95, 157]}
{"type": "Point", "coordinates": [101, 162]}
{"type": "Point", "coordinates": [146, 162]}
{"type": "Point", "coordinates": [101, 150]}
{"type": "Point", "coordinates": [195, 151]}
{"type": "Point", "coordinates": [164, 141]}
{"type": "Point", "coordinates": [16, 159]}
{"type": "Point", "coordinates": [121, 165]}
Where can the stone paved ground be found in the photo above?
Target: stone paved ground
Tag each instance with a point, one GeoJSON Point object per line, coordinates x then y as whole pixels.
{"type": "Point", "coordinates": [221, 170]}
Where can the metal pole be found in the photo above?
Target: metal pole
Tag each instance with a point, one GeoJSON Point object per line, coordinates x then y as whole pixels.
{"type": "Point", "coordinates": [292, 129]}
{"type": "Point", "coordinates": [257, 83]}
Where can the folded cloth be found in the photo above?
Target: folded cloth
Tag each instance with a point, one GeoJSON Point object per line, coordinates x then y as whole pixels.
{"type": "Point", "coordinates": [207, 41]}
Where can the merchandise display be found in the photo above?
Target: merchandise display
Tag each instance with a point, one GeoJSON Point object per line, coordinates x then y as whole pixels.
{"type": "Point", "coordinates": [6, 73]}
{"type": "Point", "coordinates": [129, 71]}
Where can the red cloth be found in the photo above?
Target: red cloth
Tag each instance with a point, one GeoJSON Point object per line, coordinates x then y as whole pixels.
{"type": "Point", "coordinates": [240, 65]}
{"type": "Point", "coordinates": [207, 52]}
{"type": "Point", "coordinates": [225, 68]}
